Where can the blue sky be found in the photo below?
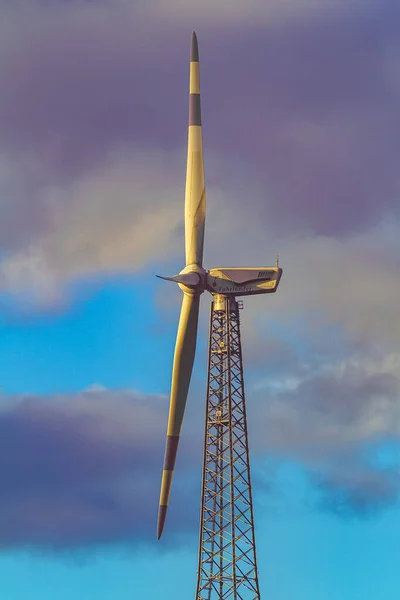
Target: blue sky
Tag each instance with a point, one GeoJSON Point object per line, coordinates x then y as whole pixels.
{"type": "Point", "coordinates": [106, 337]}
{"type": "Point", "coordinates": [300, 109]}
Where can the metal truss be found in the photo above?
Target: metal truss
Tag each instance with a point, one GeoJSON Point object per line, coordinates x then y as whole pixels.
{"type": "Point", "coordinates": [227, 568]}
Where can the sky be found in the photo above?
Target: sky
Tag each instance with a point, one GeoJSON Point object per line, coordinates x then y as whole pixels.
{"type": "Point", "coordinates": [300, 122]}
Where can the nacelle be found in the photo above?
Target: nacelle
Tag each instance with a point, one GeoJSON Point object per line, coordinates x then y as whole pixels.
{"type": "Point", "coordinates": [243, 281]}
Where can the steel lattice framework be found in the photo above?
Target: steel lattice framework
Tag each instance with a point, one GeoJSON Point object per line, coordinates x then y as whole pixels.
{"type": "Point", "coordinates": [227, 567]}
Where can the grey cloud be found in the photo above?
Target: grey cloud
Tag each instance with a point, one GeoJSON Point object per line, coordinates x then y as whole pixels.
{"type": "Point", "coordinates": [316, 123]}
{"type": "Point", "coordinates": [83, 470]}
{"type": "Point", "coordinates": [333, 420]}
{"type": "Point", "coordinates": [90, 84]}
{"type": "Point", "coordinates": [118, 218]}
{"type": "Point", "coordinates": [300, 137]}
{"type": "Point", "coordinates": [312, 120]}
{"type": "Point", "coordinates": [361, 493]}
{"type": "Point", "coordinates": [341, 405]}
{"type": "Point", "coordinates": [307, 138]}
{"type": "Point", "coordinates": [333, 293]}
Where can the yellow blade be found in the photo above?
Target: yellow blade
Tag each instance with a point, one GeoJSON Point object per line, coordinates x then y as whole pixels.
{"type": "Point", "coordinates": [185, 349]}
{"type": "Point", "coordinates": [195, 196]}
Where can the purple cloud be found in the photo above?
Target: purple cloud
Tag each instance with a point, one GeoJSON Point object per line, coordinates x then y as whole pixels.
{"type": "Point", "coordinates": [360, 493]}
{"type": "Point", "coordinates": [308, 108]}
{"type": "Point", "coordinates": [83, 470]}
{"type": "Point", "coordinates": [334, 421]}
{"type": "Point", "coordinates": [300, 124]}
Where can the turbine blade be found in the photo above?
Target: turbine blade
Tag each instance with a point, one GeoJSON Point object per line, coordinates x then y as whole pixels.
{"type": "Point", "coordinates": [189, 279]}
{"type": "Point", "coordinates": [185, 349]}
{"type": "Point", "coordinates": [195, 195]}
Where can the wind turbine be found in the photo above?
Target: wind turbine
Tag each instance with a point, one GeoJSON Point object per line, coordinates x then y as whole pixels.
{"type": "Point", "coordinates": [225, 398]}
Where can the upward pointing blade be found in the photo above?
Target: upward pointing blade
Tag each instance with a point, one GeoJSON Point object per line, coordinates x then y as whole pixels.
{"type": "Point", "coordinates": [195, 195]}
{"type": "Point", "coordinates": [185, 349]}
{"type": "Point", "coordinates": [195, 212]}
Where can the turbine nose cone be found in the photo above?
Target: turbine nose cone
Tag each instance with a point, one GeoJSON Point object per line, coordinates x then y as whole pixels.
{"type": "Point", "coordinates": [194, 50]}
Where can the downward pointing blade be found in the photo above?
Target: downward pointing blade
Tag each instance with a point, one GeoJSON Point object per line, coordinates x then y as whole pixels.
{"type": "Point", "coordinates": [195, 196]}
{"type": "Point", "coordinates": [185, 349]}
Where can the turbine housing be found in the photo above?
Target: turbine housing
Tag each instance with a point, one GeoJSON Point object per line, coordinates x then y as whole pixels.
{"type": "Point", "coordinates": [243, 281]}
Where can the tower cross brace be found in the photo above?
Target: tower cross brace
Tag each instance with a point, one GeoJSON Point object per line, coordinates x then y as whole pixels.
{"type": "Point", "coordinates": [227, 564]}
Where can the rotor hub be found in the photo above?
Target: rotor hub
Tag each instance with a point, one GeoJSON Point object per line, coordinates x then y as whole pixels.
{"type": "Point", "coordinates": [197, 287]}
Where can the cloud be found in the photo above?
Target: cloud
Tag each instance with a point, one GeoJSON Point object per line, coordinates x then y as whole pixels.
{"type": "Point", "coordinates": [85, 97]}
{"type": "Point", "coordinates": [361, 492]}
{"type": "Point", "coordinates": [83, 470]}
{"type": "Point", "coordinates": [305, 125]}
{"type": "Point", "coordinates": [92, 174]}
{"type": "Point", "coordinates": [294, 136]}
{"type": "Point", "coordinates": [118, 218]}
{"type": "Point", "coordinates": [300, 104]}
{"type": "Point", "coordinates": [311, 98]}
{"type": "Point", "coordinates": [351, 283]}
{"type": "Point", "coordinates": [336, 297]}
{"type": "Point", "coordinates": [80, 470]}
{"type": "Point", "coordinates": [225, 12]}
{"type": "Point", "coordinates": [332, 420]}
{"type": "Point", "coordinates": [335, 408]}
{"type": "Point", "coordinates": [252, 13]}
